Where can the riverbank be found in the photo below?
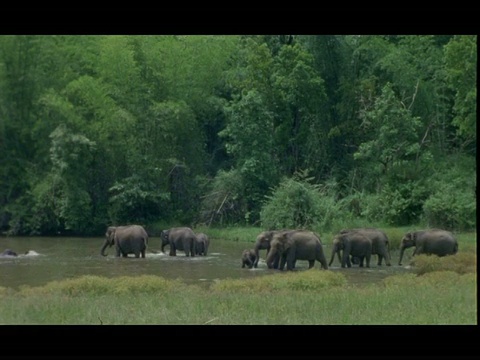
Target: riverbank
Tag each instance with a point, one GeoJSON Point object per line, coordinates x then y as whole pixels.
{"type": "Point", "coordinates": [304, 297]}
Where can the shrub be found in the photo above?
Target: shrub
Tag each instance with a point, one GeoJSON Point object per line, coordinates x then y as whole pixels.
{"type": "Point", "coordinates": [460, 263]}
{"type": "Point", "coordinates": [223, 203]}
{"type": "Point", "coordinates": [453, 206]}
{"type": "Point", "coordinates": [297, 203]}
{"type": "Point", "coordinates": [452, 203]}
{"type": "Point", "coordinates": [98, 285]}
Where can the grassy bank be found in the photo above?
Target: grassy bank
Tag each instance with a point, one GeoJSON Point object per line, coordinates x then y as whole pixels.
{"type": "Point", "coordinates": [467, 241]}
{"type": "Point", "coordinates": [304, 297]}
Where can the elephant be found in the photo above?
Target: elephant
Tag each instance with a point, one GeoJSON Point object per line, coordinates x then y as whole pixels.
{"type": "Point", "coordinates": [433, 241]}
{"type": "Point", "coordinates": [248, 258]}
{"type": "Point", "coordinates": [380, 244]}
{"type": "Point", "coordinates": [353, 244]}
{"type": "Point", "coordinates": [293, 245]}
{"type": "Point", "coordinates": [263, 242]}
{"type": "Point", "coordinates": [180, 238]}
{"type": "Point", "coordinates": [201, 244]}
{"type": "Point", "coordinates": [8, 252]}
{"type": "Point", "coordinates": [130, 239]}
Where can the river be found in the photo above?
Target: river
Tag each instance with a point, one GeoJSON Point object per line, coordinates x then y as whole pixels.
{"type": "Point", "coordinates": [58, 258]}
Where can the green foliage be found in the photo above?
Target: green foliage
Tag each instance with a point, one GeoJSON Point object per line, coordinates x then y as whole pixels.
{"type": "Point", "coordinates": [461, 67]}
{"type": "Point", "coordinates": [297, 203]}
{"type": "Point", "coordinates": [134, 197]}
{"type": "Point", "coordinates": [202, 128]}
{"type": "Point", "coordinates": [223, 203]}
{"type": "Point", "coordinates": [451, 203]}
{"type": "Point", "coordinates": [394, 131]}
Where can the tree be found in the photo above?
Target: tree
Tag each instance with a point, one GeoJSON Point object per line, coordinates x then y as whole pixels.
{"type": "Point", "coordinates": [461, 67]}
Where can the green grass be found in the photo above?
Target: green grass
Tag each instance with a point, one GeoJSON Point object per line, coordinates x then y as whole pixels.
{"type": "Point", "coordinates": [242, 234]}
{"type": "Point", "coordinates": [304, 297]}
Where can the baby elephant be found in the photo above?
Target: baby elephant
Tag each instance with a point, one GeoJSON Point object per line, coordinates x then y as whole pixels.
{"type": "Point", "coordinates": [248, 258]}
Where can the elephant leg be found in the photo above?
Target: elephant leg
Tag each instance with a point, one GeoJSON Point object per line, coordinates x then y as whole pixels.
{"type": "Point", "coordinates": [276, 262]}
{"type": "Point", "coordinates": [143, 253]}
{"type": "Point", "coordinates": [283, 260]}
{"type": "Point", "coordinates": [311, 263]}
{"type": "Point", "coordinates": [124, 255]}
{"type": "Point", "coordinates": [346, 260]}
{"type": "Point", "coordinates": [290, 260]}
{"type": "Point", "coordinates": [367, 260]}
{"type": "Point", "coordinates": [361, 261]}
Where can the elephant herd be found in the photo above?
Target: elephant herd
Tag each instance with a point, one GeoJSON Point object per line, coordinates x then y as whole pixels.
{"type": "Point", "coordinates": [285, 247]}
{"type": "Point", "coordinates": [350, 245]}
{"type": "Point", "coordinates": [133, 239]}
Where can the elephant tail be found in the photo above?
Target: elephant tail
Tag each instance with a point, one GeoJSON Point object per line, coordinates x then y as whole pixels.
{"type": "Point", "coordinates": [455, 247]}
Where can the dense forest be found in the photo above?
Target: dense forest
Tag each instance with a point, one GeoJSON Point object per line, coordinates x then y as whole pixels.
{"type": "Point", "coordinates": [272, 131]}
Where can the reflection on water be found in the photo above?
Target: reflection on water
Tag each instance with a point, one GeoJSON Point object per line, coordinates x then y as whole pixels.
{"type": "Point", "coordinates": [44, 259]}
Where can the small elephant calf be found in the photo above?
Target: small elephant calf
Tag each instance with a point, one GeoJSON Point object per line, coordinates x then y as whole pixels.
{"type": "Point", "coordinates": [248, 258]}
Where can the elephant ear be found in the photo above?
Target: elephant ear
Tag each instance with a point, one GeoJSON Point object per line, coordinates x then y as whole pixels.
{"type": "Point", "coordinates": [111, 231]}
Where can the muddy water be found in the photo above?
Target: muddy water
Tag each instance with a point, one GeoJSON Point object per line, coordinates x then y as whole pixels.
{"type": "Point", "coordinates": [52, 259]}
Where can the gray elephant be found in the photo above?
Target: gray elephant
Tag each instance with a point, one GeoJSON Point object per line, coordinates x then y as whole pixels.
{"type": "Point", "coordinates": [131, 239]}
{"type": "Point", "coordinates": [8, 252]}
{"type": "Point", "coordinates": [248, 258]}
{"type": "Point", "coordinates": [201, 244]}
{"type": "Point", "coordinates": [352, 244]}
{"type": "Point", "coordinates": [380, 244]}
{"type": "Point", "coordinates": [180, 238]}
{"type": "Point", "coordinates": [435, 241]}
{"type": "Point", "coordinates": [293, 245]}
{"type": "Point", "coordinates": [263, 243]}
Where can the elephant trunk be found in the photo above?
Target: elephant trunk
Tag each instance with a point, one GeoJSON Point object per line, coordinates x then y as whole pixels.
{"type": "Point", "coordinates": [164, 243]}
{"type": "Point", "coordinates": [257, 255]}
{"type": "Point", "coordinates": [271, 259]}
{"type": "Point", "coordinates": [402, 249]}
{"type": "Point", "coordinates": [334, 251]}
{"type": "Point", "coordinates": [102, 251]}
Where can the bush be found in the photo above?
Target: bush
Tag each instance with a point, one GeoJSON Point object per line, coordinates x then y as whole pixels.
{"type": "Point", "coordinates": [452, 203]}
{"type": "Point", "coordinates": [460, 263]}
{"type": "Point", "coordinates": [223, 203]}
{"type": "Point", "coordinates": [296, 203]}
{"type": "Point", "coordinates": [95, 285]}
{"type": "Point", "coordinates": [452, 206]}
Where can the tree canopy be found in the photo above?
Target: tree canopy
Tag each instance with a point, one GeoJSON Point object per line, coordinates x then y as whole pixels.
{"type": "Point", "coordinates": [101, 129]}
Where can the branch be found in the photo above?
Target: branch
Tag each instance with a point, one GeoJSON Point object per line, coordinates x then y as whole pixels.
{"type": "Point", "coordinates": [414, 94]}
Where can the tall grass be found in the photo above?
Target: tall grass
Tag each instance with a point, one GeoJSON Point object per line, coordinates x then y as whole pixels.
{"type": "Point", "coordinates": [302, 297]}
